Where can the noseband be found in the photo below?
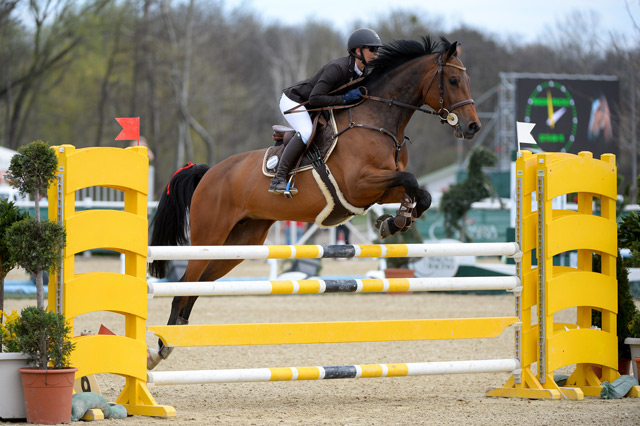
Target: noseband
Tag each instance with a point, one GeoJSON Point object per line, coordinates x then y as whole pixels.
{"type": "Point", "coordinates": [444, 113]}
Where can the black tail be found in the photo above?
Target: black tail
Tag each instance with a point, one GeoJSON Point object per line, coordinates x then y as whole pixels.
{"type": "Point", "coordinates": [170, 225]}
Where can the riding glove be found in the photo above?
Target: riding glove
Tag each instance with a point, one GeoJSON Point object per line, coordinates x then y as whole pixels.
{"type": "Point", "coordinates": [351, 96]}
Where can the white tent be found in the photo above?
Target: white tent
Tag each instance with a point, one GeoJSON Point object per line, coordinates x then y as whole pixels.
{"type": "Point", "coordinates": [5, 158]}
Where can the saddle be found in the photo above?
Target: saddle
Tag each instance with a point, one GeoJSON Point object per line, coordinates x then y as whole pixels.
{"type": "Point", "coordinates": [322, 142]}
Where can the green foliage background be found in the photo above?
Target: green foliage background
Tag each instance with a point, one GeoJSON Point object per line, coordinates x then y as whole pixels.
{"type": "Point", "coordinates": [206, 77]}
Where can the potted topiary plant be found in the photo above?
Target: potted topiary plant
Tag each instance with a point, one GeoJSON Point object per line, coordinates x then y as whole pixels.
{"type": "Point", "coordinates": [11, 405]}
{"type": "Point", "coordinates": [457, 200]}
{"type": "Point", "coordinates": [628, 314]}
{"type": "Point", "coordinates": [626, 311]}
{"type": "Point", "coordinates": [44, 337]}
{"type": "Point", "coordinates": [36, 245]}
{"type": "Point", "coordinates": [9, 214]}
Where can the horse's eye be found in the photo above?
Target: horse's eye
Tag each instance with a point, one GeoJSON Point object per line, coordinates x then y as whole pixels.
{"type": "Point", "coordinates": [453, 81]}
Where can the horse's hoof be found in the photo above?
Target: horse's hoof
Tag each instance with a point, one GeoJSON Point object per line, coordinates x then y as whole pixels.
{"type": "Point", "coordinates": [378, 223]}
{"type": "Point", "coordinates": [384, 231]}
{"type": "Point", "coordinates": [153, 358]}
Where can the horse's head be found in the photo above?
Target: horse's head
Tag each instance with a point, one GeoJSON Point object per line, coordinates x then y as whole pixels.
{"type": "Point", "coordinates": [447, 91]}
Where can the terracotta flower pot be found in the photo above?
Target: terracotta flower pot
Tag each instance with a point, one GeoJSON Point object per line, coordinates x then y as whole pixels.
{"type": "Point", "coordinates": [48, 394]}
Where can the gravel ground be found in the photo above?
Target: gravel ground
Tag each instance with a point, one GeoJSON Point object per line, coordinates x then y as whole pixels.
{"type": "Point", "coordinates": [424, 400]}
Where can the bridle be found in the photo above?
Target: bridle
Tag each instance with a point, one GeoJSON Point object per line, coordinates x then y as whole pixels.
{"type": "Point", "coordinates": [444, 113]}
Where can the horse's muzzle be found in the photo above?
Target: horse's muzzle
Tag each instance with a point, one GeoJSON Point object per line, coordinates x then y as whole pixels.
{"type": "Point", "coordinates": [467, 132]}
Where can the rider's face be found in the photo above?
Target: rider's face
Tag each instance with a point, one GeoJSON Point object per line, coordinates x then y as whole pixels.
{"type": "Point", "coordinates": [369, 53]}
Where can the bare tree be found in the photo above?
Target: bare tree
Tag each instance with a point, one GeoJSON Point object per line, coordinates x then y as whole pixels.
{"type": "Point", "coordinates": [51, 45]}
{"type": "Point", "coordinates": [180, 80]}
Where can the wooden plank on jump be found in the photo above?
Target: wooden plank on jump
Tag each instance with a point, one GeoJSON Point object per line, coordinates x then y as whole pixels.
{"type": "Point", "coordinates": [331, 332]}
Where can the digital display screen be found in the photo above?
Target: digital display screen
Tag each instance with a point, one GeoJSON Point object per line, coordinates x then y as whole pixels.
{"type": "Point", "coordinates": [571, 115]}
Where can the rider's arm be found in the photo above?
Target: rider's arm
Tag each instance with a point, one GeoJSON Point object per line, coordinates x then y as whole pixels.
{"type": "Point", "coordinates": [331, 77]}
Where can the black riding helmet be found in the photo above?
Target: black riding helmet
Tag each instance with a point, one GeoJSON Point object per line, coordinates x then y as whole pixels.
{"type": "Point", "coordinates": [363, 37]}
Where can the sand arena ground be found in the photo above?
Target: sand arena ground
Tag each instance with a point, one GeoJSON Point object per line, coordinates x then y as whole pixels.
{"type": "Point", "coordinates": [423, 400]}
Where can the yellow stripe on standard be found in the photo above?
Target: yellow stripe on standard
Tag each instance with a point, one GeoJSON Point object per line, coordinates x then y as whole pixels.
{"type": "Point", "coordinates": [279, 252]}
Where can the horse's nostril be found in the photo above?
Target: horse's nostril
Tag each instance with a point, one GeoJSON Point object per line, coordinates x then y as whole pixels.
{"type": "Point", "coordinates": [474, 127]}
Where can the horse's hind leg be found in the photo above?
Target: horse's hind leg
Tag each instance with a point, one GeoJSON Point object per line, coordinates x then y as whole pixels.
{"type": "Point", "coordinates": [247, 231]}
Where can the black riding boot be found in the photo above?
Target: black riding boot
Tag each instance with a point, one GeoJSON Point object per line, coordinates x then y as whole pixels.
{"type": "Point", "coordinates": [292, 152]}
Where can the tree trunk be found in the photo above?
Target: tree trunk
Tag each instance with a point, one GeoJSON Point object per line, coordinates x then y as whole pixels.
{"type": "Point", "coordinates": [39, 274]}
{"type": "Point", "coordinates": [105, 86]}
{"type": "Point", "coordinates": [40, 289]}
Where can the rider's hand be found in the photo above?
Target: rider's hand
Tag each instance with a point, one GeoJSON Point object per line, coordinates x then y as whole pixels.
{"type": "Point", "coordinates": [351, 96]}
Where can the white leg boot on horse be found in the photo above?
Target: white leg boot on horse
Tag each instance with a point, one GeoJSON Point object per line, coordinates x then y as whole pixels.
{"type": "Point", "coordinates": [388, 225]}
{"type": "Point", "coordinates": [292, 152]}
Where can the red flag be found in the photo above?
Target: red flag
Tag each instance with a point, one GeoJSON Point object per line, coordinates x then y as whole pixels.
{"type": "Point", "coordinates": [130, 129]}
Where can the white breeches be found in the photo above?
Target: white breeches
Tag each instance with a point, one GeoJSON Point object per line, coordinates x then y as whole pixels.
{"type": "Point", "coordinates": [299, 120]}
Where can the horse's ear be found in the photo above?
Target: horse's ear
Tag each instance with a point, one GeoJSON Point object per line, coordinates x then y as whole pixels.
{"type": "Point", "coordinates": [452, 50]}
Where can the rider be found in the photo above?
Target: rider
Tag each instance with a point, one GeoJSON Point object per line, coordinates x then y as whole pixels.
{"type": "Point", "coordinates": [363, 47]}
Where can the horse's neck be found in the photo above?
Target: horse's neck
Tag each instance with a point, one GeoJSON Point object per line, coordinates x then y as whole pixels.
{"type": "Point", "coordinates": [394, 86]}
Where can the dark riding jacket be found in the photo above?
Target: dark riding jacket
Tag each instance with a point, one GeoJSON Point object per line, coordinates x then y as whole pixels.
{"type": "Point", "coordinates": [316, 89]}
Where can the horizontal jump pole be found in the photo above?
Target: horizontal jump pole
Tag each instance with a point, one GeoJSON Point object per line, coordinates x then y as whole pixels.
{"type": "Point", "coordinates": [331, 332]}
{"type": "Point", "coordinates": [331, 372]}
{"type": "Point", "coordinates": [330, 251]}
{"type": "Point", "coordinates": [236, 288]}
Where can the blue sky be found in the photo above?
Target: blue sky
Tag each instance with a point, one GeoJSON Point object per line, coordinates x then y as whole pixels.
{"type": "Point", "coordinates": [527, 20]}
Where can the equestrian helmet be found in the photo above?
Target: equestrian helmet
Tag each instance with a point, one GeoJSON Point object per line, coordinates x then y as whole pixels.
{"type": "Point", "coordinates": [363, 37]}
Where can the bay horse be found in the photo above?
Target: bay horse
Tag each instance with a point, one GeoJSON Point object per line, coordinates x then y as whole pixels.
{"type": "Point", "coordinates": [228, 204]}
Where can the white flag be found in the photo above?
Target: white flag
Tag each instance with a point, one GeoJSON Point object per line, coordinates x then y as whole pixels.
{"type": "Point", "coordinates": [524, 132]}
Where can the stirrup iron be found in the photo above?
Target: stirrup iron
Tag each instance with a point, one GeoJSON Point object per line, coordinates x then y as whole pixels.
{"type": "Point", "coordinates": [290, 191]}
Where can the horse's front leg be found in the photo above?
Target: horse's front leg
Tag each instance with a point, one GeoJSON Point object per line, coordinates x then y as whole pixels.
{"type": "Point", "coordinates": [400, 187]}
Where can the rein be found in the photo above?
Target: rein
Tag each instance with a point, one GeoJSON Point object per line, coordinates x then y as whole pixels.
{"type": "Point", "coordinates": [443, 113]}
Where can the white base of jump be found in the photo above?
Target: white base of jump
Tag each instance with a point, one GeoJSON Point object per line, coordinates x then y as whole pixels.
{"type": "Point", "coordinates": [334, 372]}
{"type": "Point", "coordinates": [228, 288]}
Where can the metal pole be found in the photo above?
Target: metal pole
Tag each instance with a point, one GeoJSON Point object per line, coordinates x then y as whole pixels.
{"type": "Point", "coordinates": [634, 142]}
